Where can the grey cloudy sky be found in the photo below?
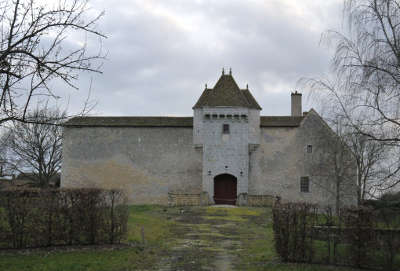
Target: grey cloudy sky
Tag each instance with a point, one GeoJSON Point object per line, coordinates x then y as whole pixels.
{"type": "Point", "coordinates": [161, 53]}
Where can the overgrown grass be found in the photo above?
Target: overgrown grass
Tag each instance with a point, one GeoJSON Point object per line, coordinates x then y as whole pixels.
{"type": "Point", "coordinates": [125, 259]}
{"type": "Point", "coordinates": [151, 222]}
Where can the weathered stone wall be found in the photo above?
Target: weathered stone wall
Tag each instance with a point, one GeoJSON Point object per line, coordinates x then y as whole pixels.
{"type": "Point", "coordinates": [146, 162]}
{"type": "Point", "coordinates": [260, 200]}
{"type": "Point", "coordinates": [281, 159]}
{"type": "Point", "coordinates": [182, 199]}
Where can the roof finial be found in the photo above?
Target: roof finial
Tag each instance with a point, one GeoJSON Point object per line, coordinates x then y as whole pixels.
{"type": "Point", "coordinates": [247, 86]}
{"type": "Point", "coordinates": [223, 71]}
{"type": "Point", "coordinates": [230, 71]}
{"type": "Point", "coordinates": [206, 86]}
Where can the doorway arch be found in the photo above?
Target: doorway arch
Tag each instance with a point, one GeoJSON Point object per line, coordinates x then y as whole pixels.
{"type": "Point", "coordinates": [225, 189]}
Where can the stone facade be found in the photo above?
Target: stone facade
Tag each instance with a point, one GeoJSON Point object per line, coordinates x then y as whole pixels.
{"type": "Point", "coordinates": [175, 161]}
{"type": "Point", "coordinates": [147, 162]}
{"type": "Point", "coordinates": [225, 152]}
{"type": "Point", "coordinates": [280, 161]}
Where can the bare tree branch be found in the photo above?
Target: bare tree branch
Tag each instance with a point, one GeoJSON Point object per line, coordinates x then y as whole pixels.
{"type": "Point", "coordinates": [364, 88]}
{"type": "Point", "coordinates": [37, 45]}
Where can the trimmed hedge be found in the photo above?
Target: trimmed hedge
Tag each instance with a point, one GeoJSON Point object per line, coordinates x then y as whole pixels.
{"type": "Point", "coordinates": [38, 218]}
{"type": "Point", "coordinates": [291, 231]}
{"type": "Point", "coordinates": [359, 237]}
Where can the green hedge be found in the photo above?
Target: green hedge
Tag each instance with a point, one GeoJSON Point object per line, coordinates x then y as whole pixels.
{"type": "Point", "coordinates": [37, 218]}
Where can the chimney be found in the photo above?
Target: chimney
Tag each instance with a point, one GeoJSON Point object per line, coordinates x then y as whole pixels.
{"type": "Point", "coordinates": [296, 104]}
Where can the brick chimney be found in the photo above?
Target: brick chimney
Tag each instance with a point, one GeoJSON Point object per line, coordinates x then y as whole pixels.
{"type": "Point", "coordinates": [296, 104]}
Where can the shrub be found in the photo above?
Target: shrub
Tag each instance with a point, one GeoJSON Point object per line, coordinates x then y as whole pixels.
{"type": "Point", "coordinates": [37, 218]}
{"type": "Point", "coordinates": [361, 237]}
{"type": "Point", "coordinates": [389, 200]}
{"type": "Point", "coordinates": [291, 225]}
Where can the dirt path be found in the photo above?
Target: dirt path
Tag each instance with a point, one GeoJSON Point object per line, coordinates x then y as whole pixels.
{"type": "Point", "coordinates": [207, 239]}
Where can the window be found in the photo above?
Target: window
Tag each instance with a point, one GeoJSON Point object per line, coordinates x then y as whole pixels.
{"type": "Point", "coordinates": [207, 116]}
{"type": "Point", "coordinates": [221, 116]}
{"type": "Point", "coordinates": [214, 116]}
{"type": "Point", "coordinates": [225, 128]}
{"type": "Point", "coordinates": [228, 116]}
{"type": "Point", "coordinates": [309, 148]}
{"type": "Point", "coordinates": [244, 117]}
{"type": "Point", "coordinates": [304, 184]}
{"type": "Point", "coordinates": [236, 117]}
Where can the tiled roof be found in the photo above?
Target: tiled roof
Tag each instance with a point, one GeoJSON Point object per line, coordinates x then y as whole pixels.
{"type": "Point", "coordinates": [131, 121]}
{"type": "Point", "coordinates": [250, 99]}
{"type": "Point", "coordinates": [227, 93]}
{"type": "Point", "coordinates": [280, 121]}
{"type": "Point", "coordinates": [265, 121]}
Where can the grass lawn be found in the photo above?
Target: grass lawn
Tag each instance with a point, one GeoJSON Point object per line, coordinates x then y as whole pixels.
{"type": "Point", "coordinates": [161, 238]}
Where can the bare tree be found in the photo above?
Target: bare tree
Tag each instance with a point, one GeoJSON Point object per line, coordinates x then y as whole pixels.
{"type": "Point", "coordinates": [35, 148]}
{"type": "Point", "coordinates": [368, 62]}
{"type": "Point", "coordinates": [40, 42]}
{"type": "Point", "coordinates": [364, 88]}
{"type": "Point", "coordinates": [370, 157]}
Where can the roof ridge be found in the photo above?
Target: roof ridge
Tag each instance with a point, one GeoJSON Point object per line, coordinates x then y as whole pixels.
{"type": "Point", "coordinates": [164, 121]}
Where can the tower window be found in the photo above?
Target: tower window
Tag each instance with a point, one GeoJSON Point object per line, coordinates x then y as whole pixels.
{"type": "Point", "coordinates": [225, 128]}
{"type": "Point", "coordinates": [309, 148]}
{"type": "Point", "coordinates": [305, 184]}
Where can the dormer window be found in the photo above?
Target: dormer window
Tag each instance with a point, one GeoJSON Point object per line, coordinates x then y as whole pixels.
{"type": "Point", "coordinates": [225, 128]}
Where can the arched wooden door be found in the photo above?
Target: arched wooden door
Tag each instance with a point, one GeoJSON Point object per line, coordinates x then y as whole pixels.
{"type": "Point", "coordinates": [225, 189]}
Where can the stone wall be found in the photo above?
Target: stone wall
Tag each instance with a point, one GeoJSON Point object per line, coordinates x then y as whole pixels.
{"type": "Point", "coordinates": [147, 163]}
{"type": "Point", "coordinates": [260, 200]}
{"type": "Point", "coordinates": [277, 165]}
{"type": "Point", "coordinates": [176, 199]}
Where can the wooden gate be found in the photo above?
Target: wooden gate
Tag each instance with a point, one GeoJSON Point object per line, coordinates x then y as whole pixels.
{"type": "Point", "coordinates": [225, 189]}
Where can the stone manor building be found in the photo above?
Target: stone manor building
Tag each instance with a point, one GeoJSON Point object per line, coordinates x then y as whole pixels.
{"type": "Point", "coordinates": [226, 153]}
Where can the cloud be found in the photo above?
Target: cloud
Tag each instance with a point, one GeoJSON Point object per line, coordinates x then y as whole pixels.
{"type": "Point", "coordinates": [161, 53]}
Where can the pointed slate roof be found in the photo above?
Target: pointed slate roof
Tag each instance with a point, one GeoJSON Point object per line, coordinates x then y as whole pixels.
{"type": "Point", "coordinates": [227, 93]}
